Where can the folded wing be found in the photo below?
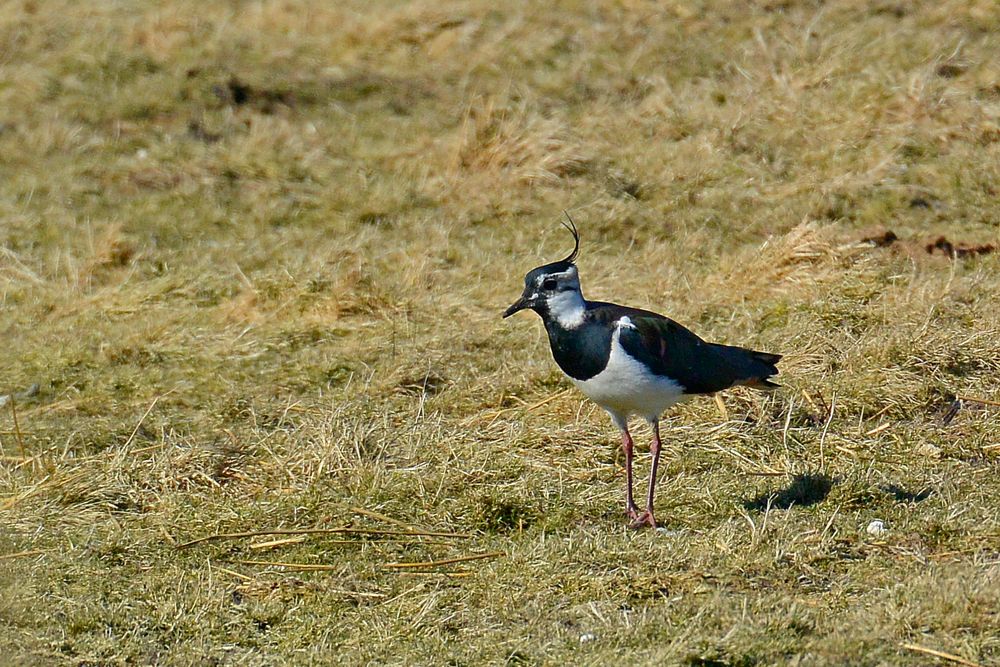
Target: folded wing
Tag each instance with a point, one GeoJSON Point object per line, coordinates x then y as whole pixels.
{"type": "Point", "coordinates": [701, 368]}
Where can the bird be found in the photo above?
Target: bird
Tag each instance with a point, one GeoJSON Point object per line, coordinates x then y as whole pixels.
{"type": "Point", "coordinates": [632, 362]}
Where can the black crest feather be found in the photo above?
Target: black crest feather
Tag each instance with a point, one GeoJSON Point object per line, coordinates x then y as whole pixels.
{"type": "Point", "coordinates": [576, 238]}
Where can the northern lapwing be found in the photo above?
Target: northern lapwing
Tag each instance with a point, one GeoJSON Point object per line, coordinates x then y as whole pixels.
{"type": "Point", "coordinates": [632, 362]}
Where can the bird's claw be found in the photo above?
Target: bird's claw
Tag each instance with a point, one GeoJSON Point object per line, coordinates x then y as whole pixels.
{"type": "Point", "coordinates": [644, 519]}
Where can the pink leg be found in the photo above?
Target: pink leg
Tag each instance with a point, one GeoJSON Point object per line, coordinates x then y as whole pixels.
{"type": "Point", "coordinates": [631, 509]}
{"type": "Point", "coordinates": [647, 518]}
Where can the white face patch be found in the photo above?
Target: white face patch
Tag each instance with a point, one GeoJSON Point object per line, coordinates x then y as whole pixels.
{"type": "Point", "coordinates": [567, 308]}
{"type": "Point", "coordinates": [566, 305]}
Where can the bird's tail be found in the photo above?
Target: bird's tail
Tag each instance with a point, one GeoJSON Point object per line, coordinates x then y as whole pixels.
{"type": "Point", "coordinates": [752, 367]}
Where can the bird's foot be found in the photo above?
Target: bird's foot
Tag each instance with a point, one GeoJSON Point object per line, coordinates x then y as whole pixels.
{"type": "Point", "coordinates": [644, 519]}
{"type": "Point", "coordinates": [632, 512]}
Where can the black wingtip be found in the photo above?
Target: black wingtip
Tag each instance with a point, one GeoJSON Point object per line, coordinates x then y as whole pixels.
{"type": "Point", "coordinates": [770, 369]}
{"type": "Point", "coordinates": [767, 357]}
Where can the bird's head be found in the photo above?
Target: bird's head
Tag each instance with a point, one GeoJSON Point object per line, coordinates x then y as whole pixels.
{"type": "Point", "coordinates": [553, 289]}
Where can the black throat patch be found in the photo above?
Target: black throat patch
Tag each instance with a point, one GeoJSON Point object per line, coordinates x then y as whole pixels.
{"type": "Point", "coordinates": [581, 352]}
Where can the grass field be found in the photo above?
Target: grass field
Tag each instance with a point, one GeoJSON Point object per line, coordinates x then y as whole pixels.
{"type": "Point", "coordinates": [253, 257]}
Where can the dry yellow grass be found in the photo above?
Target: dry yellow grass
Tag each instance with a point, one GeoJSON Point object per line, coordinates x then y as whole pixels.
{"type": "Point", "coordinates": [253, 256]}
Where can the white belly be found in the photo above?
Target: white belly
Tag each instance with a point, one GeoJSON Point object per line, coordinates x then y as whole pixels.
{"type": "Point", "coordinates": [625, 387]}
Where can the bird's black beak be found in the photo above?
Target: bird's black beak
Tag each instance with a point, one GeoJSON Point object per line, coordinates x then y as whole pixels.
{"type": "Point", "coordinates": [520, 304]}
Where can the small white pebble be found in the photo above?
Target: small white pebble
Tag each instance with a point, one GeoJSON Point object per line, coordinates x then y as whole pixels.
{"type": "Point", "coordinates": [876, 527]}
{"type": "Point", "coordinates": [587, 637]}
{"type": "Point", "coordinates": [142, 154]}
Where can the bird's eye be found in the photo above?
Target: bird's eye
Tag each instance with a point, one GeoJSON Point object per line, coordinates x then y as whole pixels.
{"type": "Point", "coordinates": [549, 283]}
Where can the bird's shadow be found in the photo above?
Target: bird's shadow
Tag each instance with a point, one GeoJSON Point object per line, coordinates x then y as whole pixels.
{"type": "Point", "coordinates": [902, 495]}
{"type": "Point", "coordinates": [803, 491]}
